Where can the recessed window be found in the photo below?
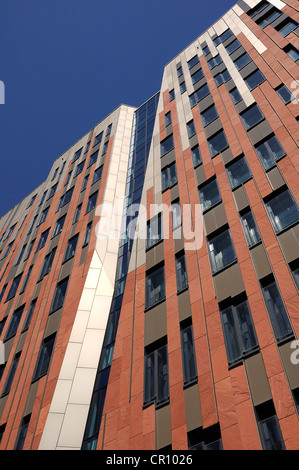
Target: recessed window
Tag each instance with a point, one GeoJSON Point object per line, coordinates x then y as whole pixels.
{"type": "Point", "coordinates": [87, 147]}
{"type": "Point", "coordinates": [65, 199]}
{"type": "Point", "coordinates": [43, 239]}
{"type": "Point", "coordinates": [44, 357]}
{"type": "Point", "coordinates": [205, 439]}
{"type": "Point", "coordinates": [227, 34]}
{"type": "Point", "coordinates": [169, 176]}
{"type": "Point", "coordinates": [251, 117]}
{"type": "Point", "coordinates": [183, 87]}
{"type": "Point", "coordinates": [47, 264]}
{"type": "Point", "coordinates": [251, 231]}
{"type": "Point", "coordinates": [179, 71]}
{"type": "Point", "coordinates": [198, 95]}
{"type": "Point", "coordinates": [181, 272]}
{"type": "Point", "coordinates": [71, 248]}
{"type": "Point", "coordinates": [77, 154]}
{"type": "Point", "coordinates": [285, 94]}
{"type": "Point", "coordinates": [105, 147]}
{"type": "Point", "coordinates": [59, 295]}
{"type": "Point", "coordinates": [14, 323]}
{"type": "Point", "coordinates": [156, 380]}
{"type": "Point", "coordinates": [269, 151]}
{"type": "Point", "coordinates": [2, 429]}
{"type": "Point", "coordinates": [58, 226]}
{"type": "Point", "coordinates": [166, 145]}
{"type": "Point", "coordinates": [215, 61]}
{"type": "Point", "coordinates": [221, 250]}
{"type": "Point", "coordinates": [79, 169]}
{"type": "Point", "coordinates": [292, 52]}
{"type": "Point", "coordinates": [238, 172]}
{"type": "Point", "coordinates": [269, 18]}
{"type": "Point", "coordinates": [19, 258]}
{"type": "Point", "coordinates": [87, 234]}
{"type": "Point", "coordinates": [222, 77]}
{"type": "Point", "coordinates": [268, 426]}
{"type": "Point", "coordinates": [8, 250]}
{"type": "Point", "coordinates": [97, 175]}
{"type": "Point", "coordinates": [191, 129]}
{"type": "Point", "coordinates": [188, 355]}
{"type": "Point", "coordinates": [258, 9]}
{"type": "Point", "coordinates": [77, 214]}
{"type": "Point", "coordinates": [254, 79]}
{"type": "Point", "coordinates": [26, 280]}
{"type": "Point", "coordinates": [195, 77]}
{"type": "Point", "coordinates": [84, 184]}
{"type": "Point", "coordinates": [233, 46]}
{"type": "Point", "coordinates": [68, 178]}
{"type": "Point", "coordinates": [287, 27]}
{"type": "Point", "coordinates": [93, 159]}
{"type": "Point", "coordinates": [98, 139]}
{"type": "Point", "coordinates": [43, 198]}
{"type": "Point", "coordinates": [92, 202]}
{"type": "Point", "coordinates": [155, 287]}
{"type": "Point", "coordinates": [43, 216]}
{"type": "Point", "coordinates": [209, 195]}
{"type": "Point", "coordinates": [217, 143]}
{"type": "Point", "coordinates": [29, 315]}
{"type": "Point", "coordinates": [294, 266]}
{"type": "Point", "coordinates": [167, 119]}
{"type": "Point", "coordinates": [109, 130]}
{"type": "Point", "coordinates": [154, 231]}
{"type": "Point", "coordinates": [171, 95]}
{"type": "Point", "coordinates": [31, 201]}
{"type": "Point", "coordinates": [176, 214]}
{"type": "Point", "coordinates": [209, 115]}
{"type": "Point", "coordinates": [11, 374]}
{"type": "Point", "coordinates": [243, 60]}
{"type": "Point", "coordinates": [52, 191]}
{"type": "Point", "coordinates": [277, 313]}
{"type": "Point", "coordinates": [239, 332]}
{"type": "Point", "coordinates": [196, 156]}
{"type": "Point", "coordinates": [193, 61]}
{"type": "Point", "coordinates": [206, 50]}
{"type": "Point", "coordinates": [3, 292]}
{"type": "Point", "coordinates": [22, 433]}
{"type": "Point", "coordinates": [282, 210]}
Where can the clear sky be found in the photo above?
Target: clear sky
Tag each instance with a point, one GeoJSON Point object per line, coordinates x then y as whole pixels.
{"type": "Point", "coordinates": [66, 64]}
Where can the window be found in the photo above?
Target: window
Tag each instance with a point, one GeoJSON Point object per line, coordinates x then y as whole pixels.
{"type": "Point", "coordinates": [258, 9]}
{"type": "Point", "coordinates": [32, 225]}
{"type": "Point", "coordinates": [87, 234]}
{"type": "Point", "coordinates": [59, 295]}
{"type": "Point", "coordinates": [268, 18]}
{"type": "Point", "coordinates": [92, 201]}
{"type": "Point", "coordinates": [43, 198]}
{"type": "Point", "coordinates": [251, 231]}
{"type": "Point", "coordinates": [269, 151]}
{"type": "Point", "coordinates": [233, 46]}
{"type": "Point", "coordinates": [179, 71]}
{"type": "Point", "coordinates": [30, 249]}
{"type": "Point", "coordinates": [87, 147]}
{"type": "Point", "coordinates": [14, 323]}
{"type": "Point", "coordinates": [217, 143]}
{"type": "Point", "coordinates": [77, 154]}
{"type": "Point", "coordinates": [79, 169]}
{"type": "Point", "coordinates": [221, 251]}
{"type": "Point", "coordinates": [47, 264]}
{"type": "Point", "coordinates": [10, 232]}
{"type": "Point", "coordinates": [196, 156]}
{"type": "Point", "coordinates": [84, 184]}
{"type": "Point", "coordinates": [42, 240]}
{"type": "Point", "coordinates": [209, 195]}
{"type": "Point", "coordinates": [8, 250]}
{"type": "Point", "coordinates": [222, 77]}
{"type": "Point", "coordinates": [22, 433]}
{"type": "Point", "coordinates": [77, 213]}
{"type": "Point", "coordinates": [3, 292]}
{"type": "Point", "coordinates": [209, 115]}
{"type": "Point", "coordinates": [242, 61]}
{"type": "Point", "coordinates": [188, 355]}
{"type": "Point", "coordinates": [65, 199]}
{"type": "Point", "coordinates": [155, 287]}
{"type": "Point", "coordinates": [156, 381]}
{"type": "Point", "coordinates": [44, 357]}
{"type": "Point", "coordinates": [195, 77]}
{"type": "Point", "coordinates": [193, 61]}
{"type": "Point", "coordinates": [166, 145]}
{"type": "Point", "coordinates": [254, 79]}
{"type": "Point", "coordinates": [26, 280]}
{"type": "Point", "coordinates": [205, 439]}
{"type": "Point", "coordinates": [11, 374]}
{"type": "Point", "coordinates": [43, 216]}
{"type": "Point", "coordinates": [227, 34]}
{"type": "Point", "coordinates": [277, 313]}
{"type": "Point", "coordinates": [268, 426]}
{"type": "Point", "coordinates": [19, 258]}
{"type": "Point", "coordinates": [238, 330]}
{"type": "Point", "coordinates": [98, 139]}
{"type": "Point", "coordinates": [285, 94]}
{"type": "Point", "coordinates": [282, 211]}
{"type": "Point", "coordinates": [176, 214]}
{"type": "Point", "coordinates": [183, 87]}
{"type": "Point", "coordinates": [58, 226]}
{"type": "Point", "coordinates": [68, 178]}
{"type": "Point", "coordinates": [287, 27]}
{"type": "Point", "coordinates": [97, 175]}
{"type": "Point", "coordinates": [295, 272]}
{"type": "Point", "coordinates": [198, 95]}
{"type": "Point", "coordinates": [181, 272]}
{"type": "Point", "coordinates": [71, 248]}
{"type": "Point", "coordinates": [52, 191]}
{"type": "Point", "coordinates": [109, 130]}
{"type": "Point", "coordinates": [206, 50]}
{"type": "Point", "coordinates": [167, 119]}
{"type": "Point", "coordinates": [93, 158]}
{"type": "Point", "coordinates": [214, 61]}
{"type": "Point", "coordinates": [2, 429]}
{"type": "Point", "coordinates": [154, 231]}
{"type": "Point", "coordinates": [14, 287]}
{"type": "Point", "coordinates": [292, 52]}
{"type": "Point", "coordinates": [171, 95]}
{"type": "Point", "coordinates": [169, 176]}
{"type": "Point", "coordinates": [238, 172]}
{"type": "Point", "coordinates": [105, 147]}
{"type": "Point", "coordinates": [31, 201]}
{"type": "Point", "coordinates": [251, 117]}
{"type": "Point", "coordinates": [191, 129]}
{"type": "Point", "coordinates": [29, 315]}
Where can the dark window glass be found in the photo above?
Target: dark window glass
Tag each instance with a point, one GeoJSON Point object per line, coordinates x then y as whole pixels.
{"type": "Point", "coordinates": [285, 94]}
{"type": "Point", "coordinates": [181, 272]}
{"type": "Point", "coordinates": [2, 324]}
{"type": "Point", "coordinates": [29, 315]}
{"type": "Point", "coordinates": [65, 199]}
{"type": "Point", "coordinates": [287, 27]}
{"type": "Point", "coordinates": [109, 130]}
{"type": "Point", "coordinates": [193, 61]}
{"type": "Point", "coordinates": [233, 46]}
{"type": "Point", "coordinates": [205, 439]}
{"type": "Point", "coordinates": [14, 287]}
{"type": "Point", "coordinates": [277, 312]}
{"type": "Point", "coordinates": [215, 61]}
{"type": "Point", "coordinates": [209, 195]}
{"type": "Point", "coordinates": [84, 184]}
{"type": "Point", "coordinates": [22, 433]}
{"type": "Point", "coordinates": [292, 52]}
{"type": "Point", "coordinates": [197, 76]}
{"type": "Point", "coordinates": [11, 374]}
{"type": "Point", "coordinates": [87, 147]}
{"type": "Point", "coordinates": [32, 224]}
{"type": "Point", "coordinates": [176, 214]}
{"type": "Point", "coordinates": [93, 158]}
{"type": "Point", "coordinates": [79, 169]}
{"type": "Point", "coordinates": [167, 145]}
{"type": "Point", "coordinates": [198, 95]}
{"type": "Point", "coordinates": [250, 229]}
{"type": "Point", "coordinates": [269, 151]}
{"type": "Point", "coordinates": [68, 178]}
{"type": "Point", "coordinates": [155, 287]}
{"type": "Point", "coordinates": [14, 323]}
{"type": "Point", "coordinates": [222, 77]}
{"type": "Point", "coordinates": [171, 95]}
{"type": "Point", "coordinates": [209, 115]}
{"type": "Point", "coordinates": [217, 143]}
{"type": "Point", "coordinates": [8, 250]}
{"type": "Point", "coordinates": [268, 426]}
{"type": "Point", "coordinates": [44, 357]}
{"type": "Point", "coordinates": [154, 231]}
{"type": "Point", "coordinates": [87, 234]}
{"type": "Point", "coordinates": [191, 129]}
{"type": "Point", "coordinates": [98, 139]}
{"type": "Point", "coordinates": [77, 213]}
{"type": "Point", "coordinates": [206, 50]}
{"type": "Point", "coordinates": [242, 61]}
{"type": "Point", "coordinates": [105, 147]}
{"type": "Point", "coordinates": [71, 248]}
{"type": "Point", "coordinates": [268, 18]}
{"type": "Point", "coordinates": [43, 198]}
{"type": "Point", "coordinates": [282, 211]}
{"type": "Point", "coordinates": [52, 191]}
{"type": "Point", "coordinates": [42, 240]}
{"type": "Point", "coordinates": [255, 79]}
{"type": "Point", "coordinates": [188, 355]}
{"type": "Point", "coordinates": [251, 117]}
{"type": "Point", "coordinates": [258, 9]}
{"type": "Point", "coordinates": [19, 258]}
{"type": "Point", "coordinates": [43, 216]}
{"type": "Point", "coordinates": [3, 292]}
{"type": "Point", "coordinates": [183, 87]}
{"type": "Point", "coordinates": [239, 333]}
{"type": "Point", "coordinates": [227, 34]}
{"type": "Point", "coordinates": [47, 264]}
{"type": "Point", "coordinates": [169, 176]}
{"type": "Point", "coordinates": [167, 119]}
{"type": "Point", "coordinates": [31, 201]}
{"type": "Point", "coordinates": [295, 274]}
{"type": "Point", "coordinates": [196, 156]}
{"type": "Point", "coordinates": [26, 280]}
{"type": "Point", "coordinates": [92, 202]}
{"type": "Point", "coordinates": [97, 174]}
{"type": "Point", "coordinates": [179, 71]}
{"type": "Point", "coordinates": [2, 429]}
{"type": "Point", "coordinates": [238, 172]}
{"type": "Point", "coordinates": [156, 381]}
{"type": "Point", "coordinates": [59, 295]}
{"type": "Point", "coordinates": [58, 226]}
{"type": "Point", "coordinates": [77, 154]}
{"type": "Point", "coordinates": [221, 250]}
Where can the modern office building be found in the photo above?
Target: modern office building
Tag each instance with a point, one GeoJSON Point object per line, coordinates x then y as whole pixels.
{"type": "Point", "coordinates": [149, 288]}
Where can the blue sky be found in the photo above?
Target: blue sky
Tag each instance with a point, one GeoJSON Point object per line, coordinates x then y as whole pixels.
{"type": "Point", "coordinates": [66, 64]}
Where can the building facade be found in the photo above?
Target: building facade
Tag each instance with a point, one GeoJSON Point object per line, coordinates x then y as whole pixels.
{"type": "Point", "coordinates": [177, 327]}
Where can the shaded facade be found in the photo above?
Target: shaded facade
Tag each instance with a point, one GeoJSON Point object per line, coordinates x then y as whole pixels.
{"type": "Point", "coordinates": [155, 338]}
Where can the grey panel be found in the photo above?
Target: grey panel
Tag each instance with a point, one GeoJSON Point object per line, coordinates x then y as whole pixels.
{"type": "Point", "coordinates": [174, 192]}
{"type": "Point", "coordinates": [192, 407]}
{"type": "Point", "coordinates": [2, 404]}
{"type": "Point", "coordinates": [37, 290]}
{"type": "Point", "coordinates": [83, 254]}
{"type": "Point", "coordinates": [227, 156]}
{"type": "Point", "coordinates": [8, 345]}
{"type": "Point", "coordinates": [259, 132]}
{"type": "Point", "coordinates": [168, 130]}
{"type": "Point", "coordinates": [53, 323]}
{"type": "Point", "coordinates": [193, 141]}
{"type": "Point", "coordinates": [205, 103]}
{"type": "Point", "coordinates": [289, 244]}
{"type": "Point", "coordinates": [260, 261]}
{"type": "Point", "coordinates": [167, 159]}
{"type": "Point", "coordinates": [179, 242]}
{"type": "Point", "coordinates": [241, 106]}
{"type": "Point", "coordinates": [200, 83]}
{"type": "Point", "coordinates": [236, 54]}
{"type": "Point", "coordinates": [163, 427]}
{"type": "Point", "coordinates": [212, 128]}
{"type": "Point", "coordinates": [66, 270]}
{"type": "Point", "coordinates": [230, 85]}
{"type": "Point", "coordinates": [21, 342]}
{"type": "Point", "coordinates": [235, 280]}
{"type": "Point", "coordinates": [275, 178]}
{"type": "Point", "coordinates": [257, 379]}
{"type": "Point", "coordinates": [200, 175]}
{"type": "Point", "coordinates": [240, 197]}
{"type": "Point", "coordinates": [215, 218]}
{"type": "Point", "coordinates": [155, 324]}
{"type": "Point", "coordinates": [31, 398]}
{"type": "Point", "coordinates": [184, 305]}
{"type": "Point", "coordinates": [250, 68]}
{"type": "Point", "coordinates": [291, 368]}
{"type": "Point", "coordinates": [279, 20]}
{"type": "Point", "coordinates": [53, 243]}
